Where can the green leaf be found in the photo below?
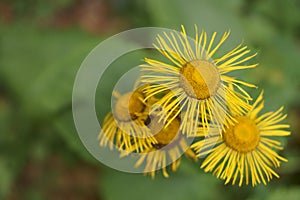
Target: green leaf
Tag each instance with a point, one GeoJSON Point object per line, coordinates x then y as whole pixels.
{"type": "Point", "coordinates": [292, 193]}
{"type": "Point", "coordinates": [189, 182]}
{"type": "Point", "coordinates": [65, 128]}
{"type": "Point", "coordinates": [39, 67]}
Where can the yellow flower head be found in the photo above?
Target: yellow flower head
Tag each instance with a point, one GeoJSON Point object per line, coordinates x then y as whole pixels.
{"type": "Point", "coordinates": [247, 149]}
{"type": "Point", "coordinates": [198, 81]}
{"type": "Point", "coordinates": [125, 124]}
{"type": "Point", "coordinates": [171, 144]}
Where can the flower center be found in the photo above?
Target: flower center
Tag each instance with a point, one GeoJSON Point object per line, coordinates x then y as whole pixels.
{"type": "Point", "coordinates": [243, 136]}
{"type": "Point", "coordinates": [129, 106]}
{"type": "Point", "coordinates": [200, 79]}
{"type": "Point", "coordinates": [164, 135]}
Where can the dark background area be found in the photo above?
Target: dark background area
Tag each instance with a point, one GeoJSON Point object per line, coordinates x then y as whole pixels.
{"type": "Point", "coordinates": [42, 44]}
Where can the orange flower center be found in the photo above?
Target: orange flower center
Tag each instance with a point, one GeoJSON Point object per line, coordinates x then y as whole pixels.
{"type": "Point", "coordinates": [164, 135]}
{"type": "Point", "coordinates": [129, 106]}
{"type": "Point", "coordinates": [200, 79]}
{"type": "Point", "coordinates": [243, 136]}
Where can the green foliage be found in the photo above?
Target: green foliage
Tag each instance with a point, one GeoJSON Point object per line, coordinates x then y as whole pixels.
{"type": "Point", "coordinates": [37, 71]}
{"type": "Point", "coordinates": [181, 185]}
{"type": "Point", "coordinates": [39, 8]}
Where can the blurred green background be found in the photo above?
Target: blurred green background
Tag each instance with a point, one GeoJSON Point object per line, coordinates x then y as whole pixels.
{"type": "Point", "coordinates": [42, 44]}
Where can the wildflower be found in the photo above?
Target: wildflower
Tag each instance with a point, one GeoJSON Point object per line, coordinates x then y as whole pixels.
{"type": "Point", "coordinates": [171, 144]}
{"type": "Point", "coordinates": [125, 124]}
{"type": "Point", "coordinates": [246, 149]}
{"type": "Point", "coordinates": [198, 82]}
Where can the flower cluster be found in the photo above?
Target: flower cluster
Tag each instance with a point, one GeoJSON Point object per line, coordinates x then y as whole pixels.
{"type": "Point", "coordinates": [191, 105]}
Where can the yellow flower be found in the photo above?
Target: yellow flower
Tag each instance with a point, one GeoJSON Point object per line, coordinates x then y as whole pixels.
{"type": "Point", "coordinates": [171, 144]}
{"type": "Point", "coordinates": [247, 149]}
{"type": "Point", "coordinates": [125, 124]}
{"type": "Point", "coordinates": [198, 82]}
